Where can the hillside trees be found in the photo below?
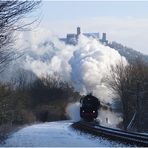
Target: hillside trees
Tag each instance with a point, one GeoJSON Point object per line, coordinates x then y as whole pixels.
{"type": "Point", "coordinates": [130, 83]}
{"type": "Point", "coordinates": [49, 98]}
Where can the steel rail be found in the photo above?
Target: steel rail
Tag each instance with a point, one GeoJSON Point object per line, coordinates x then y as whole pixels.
{"type": "Point", "coordinates": [110, 133]}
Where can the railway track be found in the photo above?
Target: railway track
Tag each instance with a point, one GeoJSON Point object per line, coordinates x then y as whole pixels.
{"type": "Point", "coordinates": [132, 138]}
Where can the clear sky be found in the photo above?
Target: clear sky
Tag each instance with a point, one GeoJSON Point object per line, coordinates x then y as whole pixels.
{"type": "Point", "coordinates": [67, 10]}
{"type": "Point", "coordinates": [123, 21]}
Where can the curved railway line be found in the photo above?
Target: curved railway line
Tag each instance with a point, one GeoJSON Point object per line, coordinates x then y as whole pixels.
{"type": "Point", "coordinates": [132, 138]}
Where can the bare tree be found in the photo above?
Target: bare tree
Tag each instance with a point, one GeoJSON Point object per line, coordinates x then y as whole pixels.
{"type": "Point", "coordinates": [11, 12]}
{"type": "Point", "coordinates": [130, 83]}
{"type": "Point", "coordinates": [118, 82]}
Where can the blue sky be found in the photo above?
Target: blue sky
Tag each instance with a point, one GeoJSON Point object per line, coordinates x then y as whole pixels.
{"type": "Point", "coordinates": [123, 21]}
{"type": "Point", "coordinates": [64, 10]}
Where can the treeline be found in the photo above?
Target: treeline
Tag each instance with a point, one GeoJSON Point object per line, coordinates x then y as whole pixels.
{"type": "Point", "coordinates": [127, 52]}
{"type": "Point", "coordinates": [13, 104]}
{"type": "Point", "coordinates": [130, 83]}
{"type": "Point", "coordinates": [39, 99]}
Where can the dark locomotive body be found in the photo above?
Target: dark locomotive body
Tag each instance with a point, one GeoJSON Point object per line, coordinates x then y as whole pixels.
{"type": "Point", "coordinates": [89, 107]}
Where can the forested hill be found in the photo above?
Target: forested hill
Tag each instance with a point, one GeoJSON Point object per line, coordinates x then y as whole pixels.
{"type": "Point", "coordinates": [127, 52]}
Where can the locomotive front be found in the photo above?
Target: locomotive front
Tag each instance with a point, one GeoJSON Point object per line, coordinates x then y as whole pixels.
{"type": "Point", "coordinates": [89, 107]}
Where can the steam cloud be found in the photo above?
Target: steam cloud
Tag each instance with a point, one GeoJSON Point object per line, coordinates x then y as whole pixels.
{"type": "Point", "coordinates": [73, 111]}
{"type": "Point", "coordinates": [109, 118]}
{"type": "Point", "coordinates": [83, 65]}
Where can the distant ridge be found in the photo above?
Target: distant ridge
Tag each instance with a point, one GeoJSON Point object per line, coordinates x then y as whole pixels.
{"type": "Point", "coordinates": [130, 54]}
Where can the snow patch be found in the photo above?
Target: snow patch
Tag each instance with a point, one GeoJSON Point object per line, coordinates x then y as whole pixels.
{"type": "Point", "coordinates": [54, 134]}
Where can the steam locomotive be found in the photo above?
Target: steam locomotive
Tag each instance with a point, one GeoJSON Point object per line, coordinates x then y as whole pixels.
{"type": "Point", "coordinates": [89, 107]}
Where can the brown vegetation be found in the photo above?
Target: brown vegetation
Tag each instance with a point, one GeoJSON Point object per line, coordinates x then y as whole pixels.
{"type": "Point", "coordinates": [130, 83]}
{"type": "Point", "coordinates": [44, 99]}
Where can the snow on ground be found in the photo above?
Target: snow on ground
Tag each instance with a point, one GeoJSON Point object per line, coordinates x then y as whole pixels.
{"type": "Point", "coordinates": [55, 134]}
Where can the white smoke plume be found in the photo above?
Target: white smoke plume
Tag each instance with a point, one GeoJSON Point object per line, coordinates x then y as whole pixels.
{"type": "Point", "coordinates": [109, 118]}
{"type": "Point", "coordinates": [84, 65]}
{"type": "Point", "coordinates": [90, 64]}
{"type": "Point", "coordinates": [73, 111]}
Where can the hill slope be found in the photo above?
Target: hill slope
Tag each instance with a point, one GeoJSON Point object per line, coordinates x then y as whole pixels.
{"type": "Point", "coordinates": [127, 52]}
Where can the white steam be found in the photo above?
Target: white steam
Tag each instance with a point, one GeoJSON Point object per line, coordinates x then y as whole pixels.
{"type": "Point", "coordinates": [109, 118]}
{"type": "Point", "coordinates": [73, 111]}
{"type": "Point", "coordinates": [90, 64]}
{"type": "Point", "coordinates": [84, 65]}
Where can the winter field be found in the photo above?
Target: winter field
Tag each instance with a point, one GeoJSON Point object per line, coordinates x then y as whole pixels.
{"type": "Point", "coordinates": [55, 134]}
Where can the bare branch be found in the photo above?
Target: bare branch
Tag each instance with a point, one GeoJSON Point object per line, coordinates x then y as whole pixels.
{"type": "Point", "coordinates": [11, 12]}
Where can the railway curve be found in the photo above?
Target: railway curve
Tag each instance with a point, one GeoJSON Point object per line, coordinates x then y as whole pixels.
{"type": "Point", "coordinates": [132, 138]}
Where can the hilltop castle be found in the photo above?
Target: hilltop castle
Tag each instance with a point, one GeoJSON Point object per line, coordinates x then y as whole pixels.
{"type": "Point", "coordinates": [72, 39]}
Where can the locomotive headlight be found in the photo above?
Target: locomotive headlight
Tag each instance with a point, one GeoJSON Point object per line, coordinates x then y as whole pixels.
{"type": "Point", "coordinates": [93, 111]}
{"type": "Point", "coordinates": [83, 111]}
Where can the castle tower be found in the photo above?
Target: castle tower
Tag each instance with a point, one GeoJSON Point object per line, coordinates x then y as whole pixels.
{"type": "Point", "coordinates": [104, 37]}
{"type": "Point", "coordinates": [104, 41]}
{"type": "Point", "coordinates": [78, 31]}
